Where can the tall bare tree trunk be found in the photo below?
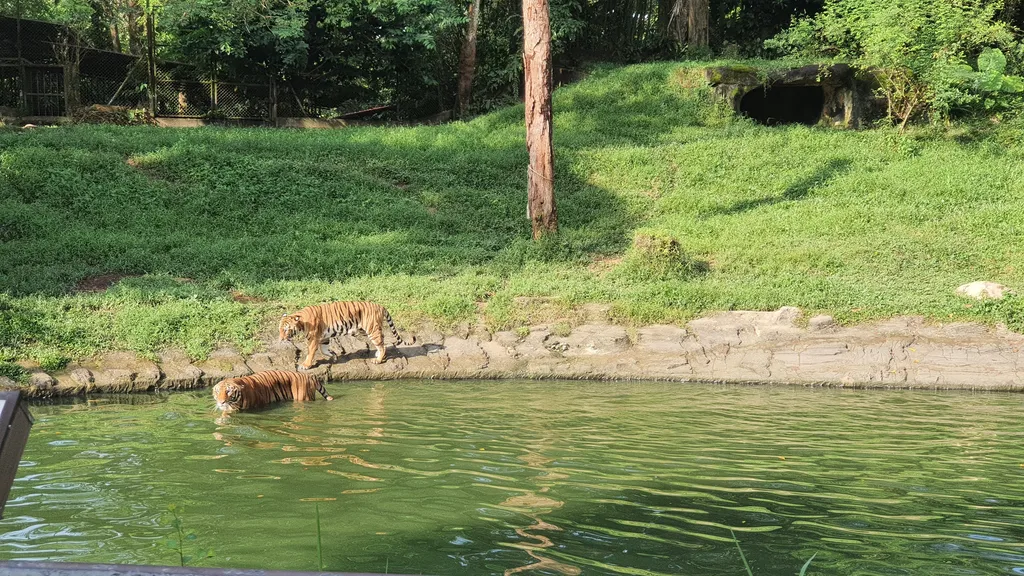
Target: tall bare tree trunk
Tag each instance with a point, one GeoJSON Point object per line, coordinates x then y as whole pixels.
{"type": "Point", "coordinates": [133, 15]}
{"type": "Point", "coordinates": [697, 22]}
{"type": "Point", "coordinates": [688, 22]}
{"type": "Point", "coordinates": [467, 60]}
{"type": "Point", "coordinates": [664, 17]}
{"type": "Point", "coordinates": [115, 37]}
{"type": "Point", "coordinates": [537, 68]}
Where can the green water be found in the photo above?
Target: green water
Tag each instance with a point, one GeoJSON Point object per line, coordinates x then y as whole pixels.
{"type": "Point", "coordinates": [538, 478]}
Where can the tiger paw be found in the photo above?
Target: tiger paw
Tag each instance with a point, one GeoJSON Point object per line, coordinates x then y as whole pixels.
{"type": "Point", "coordinates": [329, 398]}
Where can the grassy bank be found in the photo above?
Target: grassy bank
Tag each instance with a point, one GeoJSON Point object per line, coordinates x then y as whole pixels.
{"type": "Point", "coordinates": [221, 230]}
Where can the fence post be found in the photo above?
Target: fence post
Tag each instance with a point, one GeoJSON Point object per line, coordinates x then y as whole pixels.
{"type": "Point", "coordinates": [273, 102]}
{"type": "Point", "coordinates": [22, 73]}
{"type": "Point", "coordinates": [150, 55]}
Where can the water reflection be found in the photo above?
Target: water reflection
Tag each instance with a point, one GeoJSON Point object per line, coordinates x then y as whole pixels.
{"type": "Point", "coordinates": [535, 478]}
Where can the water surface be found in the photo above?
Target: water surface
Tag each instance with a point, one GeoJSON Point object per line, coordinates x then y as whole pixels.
{"type": "Point", "coordinates": [534, 477]}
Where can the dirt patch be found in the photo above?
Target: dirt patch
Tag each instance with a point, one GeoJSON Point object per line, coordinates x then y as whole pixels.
{"type": "Point", "coordinates": [602, 265]}
{"type": "Point", "coordinates": [147, 171]}
{"type": "Point", "coordinates": [101, 282]}
{"type": "Point", "coordinates": [245, 298]}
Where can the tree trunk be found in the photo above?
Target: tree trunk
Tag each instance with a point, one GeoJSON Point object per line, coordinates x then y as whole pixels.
{"type": "Point", "coordinates": [664, 17]}
{"type": "Point", "coordinates": [467, 60]}
{"type": "Point", "coordinates": [537, 69]}
{"type": "Point", "coordinates": [115, 37]}
{"type": "Point", "coordinates": [688, 22]}
{"type": "Point", "coordinates": [133, 14]}
{"type": "Point", "coordinates": [697, 22]}
{"type": "Point", "coordinates": [677, 22]}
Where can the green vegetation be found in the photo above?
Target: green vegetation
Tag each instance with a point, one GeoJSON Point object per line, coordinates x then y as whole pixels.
{"type": "Point", "coordinates": [922, 52]}
{"type": "Point", "coordinates": [669, 206]}
{"type": "Point", "coordinates": [181, 536]}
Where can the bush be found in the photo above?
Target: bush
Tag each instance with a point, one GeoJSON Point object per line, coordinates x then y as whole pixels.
{"type": "Point", "coordinates": [119, 115]}
{"type": "Point", "coordinates": [654, 256]}
{"type": "Point", "coordinates": [917, 49]}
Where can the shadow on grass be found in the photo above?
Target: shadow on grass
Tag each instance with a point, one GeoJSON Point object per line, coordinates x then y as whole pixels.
{"type": "Point", "coordinates": [796, 191]}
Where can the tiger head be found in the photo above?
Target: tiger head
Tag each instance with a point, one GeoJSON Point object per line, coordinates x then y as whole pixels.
{"type": "Point", "coordinates": [228, 395]}
{"type": "Point", "coordinates": [290, 325]}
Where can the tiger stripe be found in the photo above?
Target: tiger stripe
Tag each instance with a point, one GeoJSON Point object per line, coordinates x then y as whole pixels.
{"type": "Point", "coordinates": [264, 388]}
{"type": "Point", "coordinates": [322, 322]}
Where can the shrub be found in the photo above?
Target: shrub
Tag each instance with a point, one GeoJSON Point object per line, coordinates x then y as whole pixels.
{"type": "Point", "coordinates": [657, 257]}
{"type": "Point", "coordinates": [917, 50]}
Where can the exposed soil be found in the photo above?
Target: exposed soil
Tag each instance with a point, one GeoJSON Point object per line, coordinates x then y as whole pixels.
{"type": "Point", "coordinates": [101, 282]}
{"type": "Point", "coordinates": [245, 298]}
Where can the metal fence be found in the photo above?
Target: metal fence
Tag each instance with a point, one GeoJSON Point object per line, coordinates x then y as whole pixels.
{"type": "Point", "coordinates": [46, 72]}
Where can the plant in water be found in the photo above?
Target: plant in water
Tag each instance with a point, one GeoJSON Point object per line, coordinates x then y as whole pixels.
{"type": "Point", "coordinates": [319, 545]}
{"type": "Point", "coordinates": [181, 536]}
{"type": "Point", "coordinates": [746, 565]}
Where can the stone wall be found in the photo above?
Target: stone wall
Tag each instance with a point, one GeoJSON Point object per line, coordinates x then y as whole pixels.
{"type": "Point", "coordinates": [738, 347]}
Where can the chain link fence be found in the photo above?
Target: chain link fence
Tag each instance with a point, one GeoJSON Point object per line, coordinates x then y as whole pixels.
{"type": "Point", "coordinates": [46, 72]}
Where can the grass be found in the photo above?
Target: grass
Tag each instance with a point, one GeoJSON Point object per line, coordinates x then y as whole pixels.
{"type": "Point", "coordinates": [669, 207]}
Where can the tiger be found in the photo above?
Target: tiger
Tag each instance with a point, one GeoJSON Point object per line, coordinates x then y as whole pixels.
{"type": "Point", "coordinates": [263, 388]}
{"type": "Point", "coordinates": [329, 320]}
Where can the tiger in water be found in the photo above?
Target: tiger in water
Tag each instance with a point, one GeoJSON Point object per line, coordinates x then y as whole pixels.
{"type": "Point", "coordinates": [325, 321]}
{"type": "Point", "coordinates": [264, 388]}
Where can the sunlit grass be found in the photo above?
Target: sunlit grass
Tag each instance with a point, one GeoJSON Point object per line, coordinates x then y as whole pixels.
{"type": "Point", "coordinates": [430, 221]}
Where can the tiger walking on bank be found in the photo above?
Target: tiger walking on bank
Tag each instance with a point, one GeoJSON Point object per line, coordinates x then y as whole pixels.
{"type": "Point", "coordinates": [325, 321]}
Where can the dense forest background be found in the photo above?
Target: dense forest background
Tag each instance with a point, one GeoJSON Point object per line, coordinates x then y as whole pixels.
{"type": "Point", "coordinates": [406, 53]}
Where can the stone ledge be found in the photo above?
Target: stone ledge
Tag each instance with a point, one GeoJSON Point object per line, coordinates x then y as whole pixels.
{"type": "Point", "coordinates": [730, 347]}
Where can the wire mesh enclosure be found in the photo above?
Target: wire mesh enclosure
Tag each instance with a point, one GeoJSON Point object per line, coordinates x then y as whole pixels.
{"type": "Point", "coordinates": [46, 70]}
{"type": "Point", "coordinates": [44, 91]}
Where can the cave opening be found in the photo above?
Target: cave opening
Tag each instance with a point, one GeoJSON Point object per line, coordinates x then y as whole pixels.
{"type": "Point", "coordinates": [784, 104]}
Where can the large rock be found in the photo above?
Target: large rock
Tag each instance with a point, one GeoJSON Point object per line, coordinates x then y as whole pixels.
{"type": "Point", "coordinates": [278, 356]}
{"type": "Point", "coordinates": [223, 363]}
{"type": "Point", "coordinates": [591, 340]}
{"type": "Point", "coordinates": [981, 290]}
{"type": "Point", "coordinates": [179, 372]}
{"type": "Point", "coordinates": [118, 372]}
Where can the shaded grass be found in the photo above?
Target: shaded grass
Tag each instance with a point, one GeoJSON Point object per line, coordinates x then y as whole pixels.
{"type": "Point", "coordinates": [430, 221]}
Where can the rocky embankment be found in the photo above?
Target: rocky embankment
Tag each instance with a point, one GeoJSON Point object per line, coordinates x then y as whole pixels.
{"type": "Point", "coordinates": [740, 347]}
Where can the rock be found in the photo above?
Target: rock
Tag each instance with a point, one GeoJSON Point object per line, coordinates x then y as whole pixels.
{"type": "Point", "coordinates": [981, 289]}
{"type": "Point", "coordinates": [592, 339]}
{"type": "Point", "coordinates": [661, 339]}
{"type": "Point", "coordinates": [81, 376]}
{"type": "Point", "coordinates": [179, 373]}
{"type": "Point", "coordinates": [279, 356]}
{"type": "Point", "coordinates": [41, 380]}
{"type": "Point", "coordinates": [118, 372]}
{"type": "Point", "coordinates": [6, 383]}
{"type": "Point", "coordinates": [223, 363]}
{"type": "Point", "coordinates": [466, 358]}
{"type": "Point", "coordinates": [821, 323]}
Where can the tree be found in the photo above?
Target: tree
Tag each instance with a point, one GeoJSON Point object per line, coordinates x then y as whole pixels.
{"type": "Point", "coordinates": [467, 59]}
{"type": "Point", "coordinates": [537, 68]}
{"type": "Point", "coordinates": [688, 22]}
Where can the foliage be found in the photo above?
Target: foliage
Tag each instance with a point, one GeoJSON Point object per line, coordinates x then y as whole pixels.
{"type": "Point", "coordinates": [181, 537]}
{"type": "Point", "coordinates": [319, 542]}
{"type": "Point", "coordinates": [915, 48]}
{"type": "Point", "coordinates": [657, 256]}
{"type": "Point", "coordinates": [229, 228]}
{"type": "Point", "coordinates": [996, 90]}
{"type": "Point", "coordinates": [743, 25]}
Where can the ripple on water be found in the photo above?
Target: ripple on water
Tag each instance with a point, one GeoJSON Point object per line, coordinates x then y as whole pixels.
{"type": "Point", "coordinates": [535, 477]}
